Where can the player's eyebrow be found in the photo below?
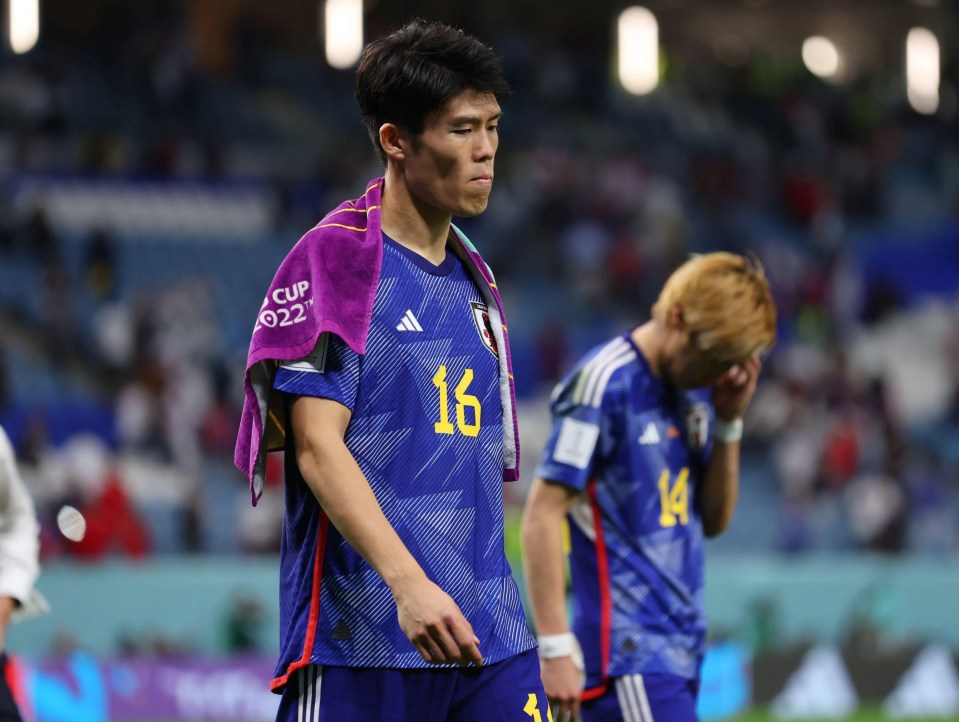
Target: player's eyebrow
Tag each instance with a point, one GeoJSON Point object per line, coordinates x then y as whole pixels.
{"type": "Point", "coordinates": [474, 119]}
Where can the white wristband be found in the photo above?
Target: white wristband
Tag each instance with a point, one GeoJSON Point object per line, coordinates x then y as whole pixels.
{"type": "Point", "coordinates": [554, 646]}
{"type": "Point", "coordinates": [728, 432]}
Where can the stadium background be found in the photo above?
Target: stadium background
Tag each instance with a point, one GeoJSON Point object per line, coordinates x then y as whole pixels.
{"type": "Point", "coordinates": [158, 158]}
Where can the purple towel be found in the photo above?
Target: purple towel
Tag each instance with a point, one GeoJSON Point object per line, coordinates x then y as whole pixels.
{"type": "Point", "coordinates": [328, 282]}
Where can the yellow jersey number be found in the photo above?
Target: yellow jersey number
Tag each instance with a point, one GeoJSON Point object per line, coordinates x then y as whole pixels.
{"type": "Point", "coordinates": [464, 401]}
{"type": "Point", "coordinates": [674, 499]}
{"type": "Point", "coordinates": [532, 709]}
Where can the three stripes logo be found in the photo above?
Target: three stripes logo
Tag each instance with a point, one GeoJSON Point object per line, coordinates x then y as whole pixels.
{"type": "Point", "coordinates": [650, 435]}
{"type": "Point", "coordinates": [409, 322]}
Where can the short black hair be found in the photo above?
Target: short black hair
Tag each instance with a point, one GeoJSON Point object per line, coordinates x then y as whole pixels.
{"type": "Point", "coordinates": [404, 76]}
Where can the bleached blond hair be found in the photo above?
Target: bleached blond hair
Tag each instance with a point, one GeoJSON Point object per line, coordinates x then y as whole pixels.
{"type": "Point", "coordinates": [726, 303]}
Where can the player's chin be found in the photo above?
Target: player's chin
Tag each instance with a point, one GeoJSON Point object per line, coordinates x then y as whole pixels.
{"type": "Point", "coordinates": [473, 205]}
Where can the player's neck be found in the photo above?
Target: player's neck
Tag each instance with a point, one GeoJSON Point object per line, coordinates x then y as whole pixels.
{"type": "Point", "coordinates": [412, 223]}
{"type": "Point", "coordinates": [650, 340]}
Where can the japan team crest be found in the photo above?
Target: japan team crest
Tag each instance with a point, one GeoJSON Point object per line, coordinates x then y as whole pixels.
{"type": "Point", "coordinates": [483, 326]}
{"type": "Point", "coordinates": [697, 427]}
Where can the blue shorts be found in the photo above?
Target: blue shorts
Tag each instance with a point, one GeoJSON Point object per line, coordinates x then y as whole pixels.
{"type": "Point", "coordinates": [644, 698]}
{"type": "Point", "coordinates": [507, 691]}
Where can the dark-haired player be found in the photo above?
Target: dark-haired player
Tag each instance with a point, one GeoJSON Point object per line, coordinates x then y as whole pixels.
{"type": "Point", "coordinates": [380, 362]}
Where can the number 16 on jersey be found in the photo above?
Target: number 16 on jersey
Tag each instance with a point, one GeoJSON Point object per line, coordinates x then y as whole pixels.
{"type": "Point", "coordinates": [464, 401]}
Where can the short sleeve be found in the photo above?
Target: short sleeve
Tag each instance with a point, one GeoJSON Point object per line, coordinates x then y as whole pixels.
{"type": "Point", "coordinates": [576, 438]}
{"type": "Point", "coordinates": [331, 371]}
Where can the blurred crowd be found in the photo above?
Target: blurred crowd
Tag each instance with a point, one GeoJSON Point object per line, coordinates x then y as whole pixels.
{"type": "Point", "coordinates": [843, 192]}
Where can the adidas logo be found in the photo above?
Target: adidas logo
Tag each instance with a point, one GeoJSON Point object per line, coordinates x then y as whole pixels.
{"type": "Point", "coordinates": [820, 688]}
{"type": "Point", "coordinates": [409, 323]}
{"type": "Point", "coordinates": [930, 688]}
{"type": "Point", "coordinates": [341, 632]}
{"type": "Point", "coordinates": [649, 435]}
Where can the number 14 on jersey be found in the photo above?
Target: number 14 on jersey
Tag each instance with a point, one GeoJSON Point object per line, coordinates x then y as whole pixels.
{"type": "Point", "coordinates": [674, 499]}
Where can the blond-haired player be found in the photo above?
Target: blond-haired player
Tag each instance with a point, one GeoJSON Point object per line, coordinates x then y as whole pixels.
{"type": "Point", "coordinates": [643, 462]}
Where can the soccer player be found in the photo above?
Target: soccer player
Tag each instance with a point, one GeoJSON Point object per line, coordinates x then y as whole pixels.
{"type": "Point", "coordinates": [642, 462]}
{"type": "Point", "coordinates": [19, 561]}
{"type": "Point", "coordinates": [380, 363]}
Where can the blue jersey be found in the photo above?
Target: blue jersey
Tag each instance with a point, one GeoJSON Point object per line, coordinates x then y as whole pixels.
{"type": "Point", "coordinates": [635, 449]}
{"type": "Point", "coordinates": [427, 432]}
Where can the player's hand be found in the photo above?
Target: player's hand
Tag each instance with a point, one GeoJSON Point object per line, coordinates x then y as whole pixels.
{"type": "Point", "coordinates": [735, 388]}
{"type": "Point", "coordinates": [433, 622]}
{"type": "Point", "coordinates": [564, 687]}
{"type": "Point", "coordinates": [6, 609]}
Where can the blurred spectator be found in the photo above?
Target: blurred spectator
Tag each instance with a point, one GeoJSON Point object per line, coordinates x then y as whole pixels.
{"type": "Point", "coordinates": [114, 336]}
{"type": "Point", "coordinates": [41, 241]}
{"type": "Point", "coordinates": [258, 529]}
{"type": "Point", "coordinates": [96, 490]}
{"type": "Point", "coordinates": [218, 429]}
{"type": "Point", "coordinates": [795, 531]}
{"type": "Point", "coordinates": [243, 626]}
{"type": "Point", "coordinates": [138, 414]}
{"type": "Point", "coordinates": [99, 264]}
{"type": "Point", "coordinates": [552, 350]}
{"type": "Point", "coordinates": [872, 622]}
{"type": "Point", "coordinates": [762, 625]}
{"type": "Point", "coordinates": [876, 507]}
{"type": "Point", "coordinates": [841, 453]}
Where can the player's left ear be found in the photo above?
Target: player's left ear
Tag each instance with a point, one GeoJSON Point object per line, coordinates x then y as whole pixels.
{"type": "Point", "coordinates": [675, 319]}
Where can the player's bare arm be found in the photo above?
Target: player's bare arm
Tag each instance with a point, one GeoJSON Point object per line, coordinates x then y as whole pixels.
{"type": "Point", "coordinates": [542, 530]}
{"type": "Point", "coordinates": [427, 615]}
{"type": "Point", "coordinates": [731, 396]}
{"type": "Point", "coordinates": [7, 605]}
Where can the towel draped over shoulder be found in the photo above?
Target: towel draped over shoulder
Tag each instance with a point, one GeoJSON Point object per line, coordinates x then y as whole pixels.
{"type": "Point", "coordinates": [327, 283]}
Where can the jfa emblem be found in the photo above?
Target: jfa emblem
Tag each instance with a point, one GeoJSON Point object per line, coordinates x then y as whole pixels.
{"type": "Point", "coordinates": [483, 326]}
{"type": "Point", "coordinates": [697, 427]}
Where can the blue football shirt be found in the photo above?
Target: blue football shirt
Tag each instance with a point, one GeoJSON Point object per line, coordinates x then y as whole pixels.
{"type": "Point", "coordinates": [426, 430]}
{"type": "Point", "coordinates": [635, 449]}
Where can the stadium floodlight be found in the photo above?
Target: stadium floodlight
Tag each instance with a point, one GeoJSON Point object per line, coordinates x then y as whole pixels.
{"type": "Point", "coordinates": [922, 70]}
{"type": "Point", "coordinates": [24, 24]}
{"type": "Point", "coordinates": [821, 56]}
{"type": "Point", "coordinates": [638, 50]}
{"type": "Point", "coordinates": [343, 32]}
